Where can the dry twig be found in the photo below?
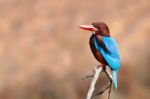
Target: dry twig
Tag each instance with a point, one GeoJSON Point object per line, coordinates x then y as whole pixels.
{"type": "Point", "coordinates": [97, 71]}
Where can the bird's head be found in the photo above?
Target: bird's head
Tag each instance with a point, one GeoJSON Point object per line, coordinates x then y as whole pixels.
{"type": "Point", "coordinates": [99, 28]}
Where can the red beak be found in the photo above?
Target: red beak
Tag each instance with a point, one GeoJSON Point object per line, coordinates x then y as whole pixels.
{"type": "Point", "coordinates": [88, 27]}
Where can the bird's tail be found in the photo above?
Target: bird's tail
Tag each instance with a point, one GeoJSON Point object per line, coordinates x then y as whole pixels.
{"type": "Point", "coordinates": [115, 78]}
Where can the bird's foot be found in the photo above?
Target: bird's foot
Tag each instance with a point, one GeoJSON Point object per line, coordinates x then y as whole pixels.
{"type": "Point", "coordinates": [101, 65]}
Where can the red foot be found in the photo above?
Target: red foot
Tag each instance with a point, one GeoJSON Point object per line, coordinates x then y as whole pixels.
{"type": "Point", "coordinates": [102, 65]}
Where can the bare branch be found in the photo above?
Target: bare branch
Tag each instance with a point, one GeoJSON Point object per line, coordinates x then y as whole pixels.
{"type": "Point", "coordinates": [110, 80]}
{"type": "Point", "coordinates": [97, 71]}
{"type": "Point", "coordinates": [110, 90]}
{"type": "Point", "coordinates": [108, 74]}
{"type": "Point", "coordinates": [102, 91]}
{"type": "Point", "coordinates": [89, 76]}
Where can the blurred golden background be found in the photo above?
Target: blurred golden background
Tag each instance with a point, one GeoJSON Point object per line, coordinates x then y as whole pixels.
{"type": "Point", "coordinates": [44, 55]}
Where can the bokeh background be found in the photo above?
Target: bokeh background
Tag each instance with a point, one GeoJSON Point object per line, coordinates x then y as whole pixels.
{"type": "Point", "coordinates": [44, 55]}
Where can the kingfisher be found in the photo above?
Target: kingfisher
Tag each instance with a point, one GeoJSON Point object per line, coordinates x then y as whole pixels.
{"type": "Point", "coordinates": [104, 47]}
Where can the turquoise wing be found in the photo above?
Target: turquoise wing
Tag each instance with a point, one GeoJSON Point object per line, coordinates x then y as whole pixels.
{"type": "Point", "coordinates": [111, 56]}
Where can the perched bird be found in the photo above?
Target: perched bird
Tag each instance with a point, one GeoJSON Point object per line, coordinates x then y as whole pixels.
{"type": "Point", "coordinates": [104, 47]}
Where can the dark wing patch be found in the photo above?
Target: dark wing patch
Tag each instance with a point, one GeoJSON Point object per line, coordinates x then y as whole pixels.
{"type": "Point", "coordinates": [102, 44]}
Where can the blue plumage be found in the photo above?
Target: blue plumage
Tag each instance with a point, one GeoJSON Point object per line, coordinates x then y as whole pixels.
{"type": "Point", "coordinates": [111, 56]}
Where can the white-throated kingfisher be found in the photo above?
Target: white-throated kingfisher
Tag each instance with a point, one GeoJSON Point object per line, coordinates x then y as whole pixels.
{"type": "Point", "coordinates": [104, 47]}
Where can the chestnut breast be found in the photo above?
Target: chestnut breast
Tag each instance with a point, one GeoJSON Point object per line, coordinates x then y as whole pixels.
{"type": "Point", "coordinates": [95, 52]}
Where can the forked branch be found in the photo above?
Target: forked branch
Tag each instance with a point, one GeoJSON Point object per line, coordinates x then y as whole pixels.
{"type": "Point", "coordinates": [97, 71]}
